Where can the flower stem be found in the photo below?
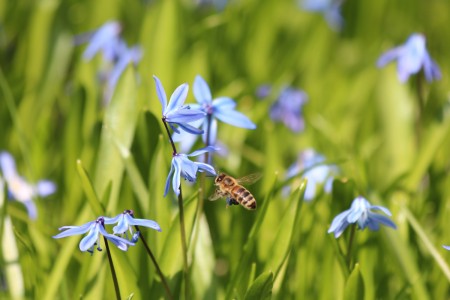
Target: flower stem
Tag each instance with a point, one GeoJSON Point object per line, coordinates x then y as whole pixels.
{"type": "Point", "coordinates": [160, 273]}
{"type": "Point", "coordinates": [421, 110]}
{"type": "Point", "coordinates": [182, 224]}
{"type": "Point", "coordinates": [349, 248]}
{"type": "Point", "coordinates": [113, 271]}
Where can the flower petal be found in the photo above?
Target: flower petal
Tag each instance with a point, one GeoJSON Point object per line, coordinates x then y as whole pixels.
{"type": "Point", "coordinates": [101, 38]}
{"type": "Point", "coordinates": [234, 118]}
{"type": "Point", "coordinates": [190, 129]}
{"type": "Point", "coordinates": [202, 150]}
{"type": "Point", "coordinates": [161, 94]}
{"type": "Point", "coordinates": [223, 103]}
{"type": "Point", "coordinates": [166, 188]}
{"type": "Point", "coordinates": [176, 176]}
{"type": "Point", "coordinates": [389, 56]}
{"type": "Point", "coordinates": [90, 239]}
{"type": "Point", "coordinates": [206, 167]}
{"type": "Point", "coordinates": [31, 209]}
{"type": "Point", "coordinates": [143, 222]}
{"type": "Point", "coordinates": [382, 220]}
{"type": "Point", "coordinates": [8, 165]}
{"type": "Point", "coordinates": [184, 115]}
{"type": "Point", "coordinates": [45, 188]}
{"type": "Point", "coordinates": [338, 220]}
{"type": "Point", "coordinates": [430, 68]}
{"type": "Point", "coordinates": [178, 97]}
{"type": "Point", "coordinates": [446, 247]}
{"type": "Point", "coordinates": [74, 230]}
{"type": "Point", "coordinates": [122, 225]}
{"type": "Point", "coordinates": [202, 93]}
{"type": "Point", "coordinates": [120, 243]}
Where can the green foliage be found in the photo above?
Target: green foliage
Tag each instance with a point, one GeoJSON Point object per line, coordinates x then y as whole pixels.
{"type": "Point", "coordinates": [107, 156]}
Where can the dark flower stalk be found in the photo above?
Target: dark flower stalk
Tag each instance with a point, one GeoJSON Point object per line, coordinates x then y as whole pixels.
{"type": "Point", "coordinates": [113, 270]}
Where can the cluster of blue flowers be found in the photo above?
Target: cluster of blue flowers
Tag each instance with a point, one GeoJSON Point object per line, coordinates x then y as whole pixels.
{"type": "Point", "coordinates": [115, 53]}
{"type": "Point", "coordinates": [119, 237]}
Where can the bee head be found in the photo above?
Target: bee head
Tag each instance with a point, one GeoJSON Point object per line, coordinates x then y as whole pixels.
{"type": "Point", "coordinates": [219, 178]}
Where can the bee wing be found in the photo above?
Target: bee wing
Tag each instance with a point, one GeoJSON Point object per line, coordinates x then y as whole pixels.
{"type": "Point", "coordinates": [217, 195]}
{"type": "Point", "coordinates": [249, 179]}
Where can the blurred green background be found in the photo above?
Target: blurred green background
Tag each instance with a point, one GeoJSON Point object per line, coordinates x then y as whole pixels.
{"type": "Point", "coordinates": [360, 117]}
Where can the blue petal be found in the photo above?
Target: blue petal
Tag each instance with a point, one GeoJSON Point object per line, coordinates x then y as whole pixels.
{"type": "Point", "coordinates": [338, 220]}
{"type": "Point", "coordinates": [223, 103]}
{"type": "Point", "coordinates": [31, 209]}
{"type": "Point", "coordinates": [203, 150]}
{"type": "Point", "coordinates": [176, 176]}
{"type": "Point", "coordinates": [45, 188]}
{"type": "Point", "coordinates": [8, 165]}
{"type": "Point", "coordinates": [90, 239]}
{"type": "Point", "coordinates": [74, 230]}
{"type": "Point", "coordinates": [371, 223]}
{"type": "Point", "coordinates": [184, 115]}
{"type": "Point", "coordinates": [190, 129]}
{"type": "Point", "coordinates": [101, 37]}
{"type": "Point", "coordinates": [234, 118]}
{"type": "Point", "coordinates": [178, 97]}
{"type": "Point", "coordinates": [382, 220]}
{"type": "Point", "coordinates": [206, 167]}
{"type": "Point", "coordinates": [202, 93]}
{"type": "Point", "coordinates": [431, 69]}
{"type": "Point", "coordinates": [122, 224]}
{"type": "Point", "coordinates": [166, 188]}
{"type": "Point", "coordinates": [389, 56]}
{"type": "Point", "coordinates": [446, 247]}
{"type": "Point", "coordinates": [143, 222]}
{"type": "Point", "coordinates": [121, 243]}
{"type": "Point", "coordinates": [113, 220]}
{"type": "Point", "coordinates": [189, 168]}
{"type": "Point", "coordinates": [383, 209]}
{"type": "Point", "coordinates": [340, 229]}
{"type": "Point", "coordinates": [212, 132]}
{"type": "Point", "coordinates": [161, 94]}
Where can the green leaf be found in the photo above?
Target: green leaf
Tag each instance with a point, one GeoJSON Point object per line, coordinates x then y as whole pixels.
{"type": "Point", "coordinates": [93, 200]}
{"type": "Point", "coordinates": [354, 287]}
{"type": "Point", "coordinates": [261, 287]}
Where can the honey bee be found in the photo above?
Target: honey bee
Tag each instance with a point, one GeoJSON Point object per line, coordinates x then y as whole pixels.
{"type": "Point", "coordinates": [227, 186]}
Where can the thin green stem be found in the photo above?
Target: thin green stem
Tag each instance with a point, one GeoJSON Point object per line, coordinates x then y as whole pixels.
{"type": "Point", "coordinates": [113, 271]}
{"type": "Point", "coordinates": [182, 223]}
{"type": "Point", "coordinates": [421, 107]}
{"type": "Point", "coordinates": [349, 248]}
{"type": "Point", "coordinates": [158, 270]}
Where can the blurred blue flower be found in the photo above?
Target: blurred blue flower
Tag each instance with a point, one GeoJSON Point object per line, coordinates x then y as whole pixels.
{"type": "Point", "coordinates": [222, 108]}
{"type": "Point", "coordinates": [95, 228]}
{"type": "Point", "coordinates": [361, 214]}
{"type": "Point", "coordinates": [183, 166]}
{"type": "Point", "coordinates": [106, 40]}
{"type": "Point", "coordinates": [331, 9]}
{"type": "Point", "coordinates": [21, 190]}
{"type": "Point", "coordinates": [317, 174]}
{"type": "Point", "coordinates": [175, 113]}
{"type": "Point", "coordinates": [289, 109]}
{"type": "Point", "coordinates": [126, 220]}
{"type": "Point", "coordinates": [411, 57]}
{"type": "Point", "coordinates": [446, 247]}
{"type": "Point", "coordinates": [263, 91]}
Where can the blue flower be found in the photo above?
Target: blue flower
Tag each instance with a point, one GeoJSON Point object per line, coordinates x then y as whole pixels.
{"type": "Point", "coordinates": [360, 213]}
{"type": "Point", "coordinates": [95, 228]}
{"type": "Point", "coordinates": [289, 109]}
{"type": "Point", "coordinates": [126, 220]}
{"type": "Point", "coordinates": [106, 39]}
{"type": "Point", "coordinates": [183, 166]}
{"type": "Point", "coordinates": [329, 8]}
{"type": "Point", "coordinates": [446, 247]}
{"type": "Point", "coordinates": [125, 57]}
{"type": "Point", "coordinates": [175, 113]}
{"type": "Point", "coordinates": [21, 190]}
{"type": "Point", "coordinates": [411, 57]}
{"type": "Point", "coordinates": [222, 108]}
{"type": "Point", "coordinates": [316, 173]}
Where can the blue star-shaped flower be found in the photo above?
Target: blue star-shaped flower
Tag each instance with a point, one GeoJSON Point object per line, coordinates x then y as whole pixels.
{"type": "Point", "coordinates": [289, 109]}
{"type": "Point", "coordinates": [175, 113]}
{"type": "Point", "coordinates": [182, 166]}
{"type": "Point", "coordinates": [95, 228]}
{"type": "Point", "coordinates": [126, 220]}
{"type": "Point", "coordinates": [411, 57]}
{"type": "Point", "coordinates": [21, 190]}
{"type": "Point", "coordinates": [316, 173]}
{"type": "Point", "coordinates": [222, 108]}
{"type": "Point", "coordinates": [361, 213]}
{"type": "Point", "coordinates": [105, 39]}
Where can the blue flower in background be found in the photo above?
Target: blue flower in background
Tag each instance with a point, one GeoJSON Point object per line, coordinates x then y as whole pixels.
{"type": "Point", "coordinates": [182, 166]}
{"type": "Point", "coordinates": [95, 228]}
{"type": "Point", "coordinates": [446, 247]}
{"type": "Point", "coordinates": [106, 40]}
{"type": "Point", "coordinates": [222, 108]}
{"type": "Point", "coordinates": [21, 190]}
{"type": "Point", "coordinates": [289, 109]}
{"type": "Point", "coordinates": [361, 213]}
{"type": "Point", "coordinates": [331, 9]}
{"type": "Point", "coordinates": [317, 173]}
{"type": "Point", "coordinates": [126, 220]}
{"type": "Point", "coordinates": [175, 113]}
{"type": "Point", "coordinates": [411, 57]}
